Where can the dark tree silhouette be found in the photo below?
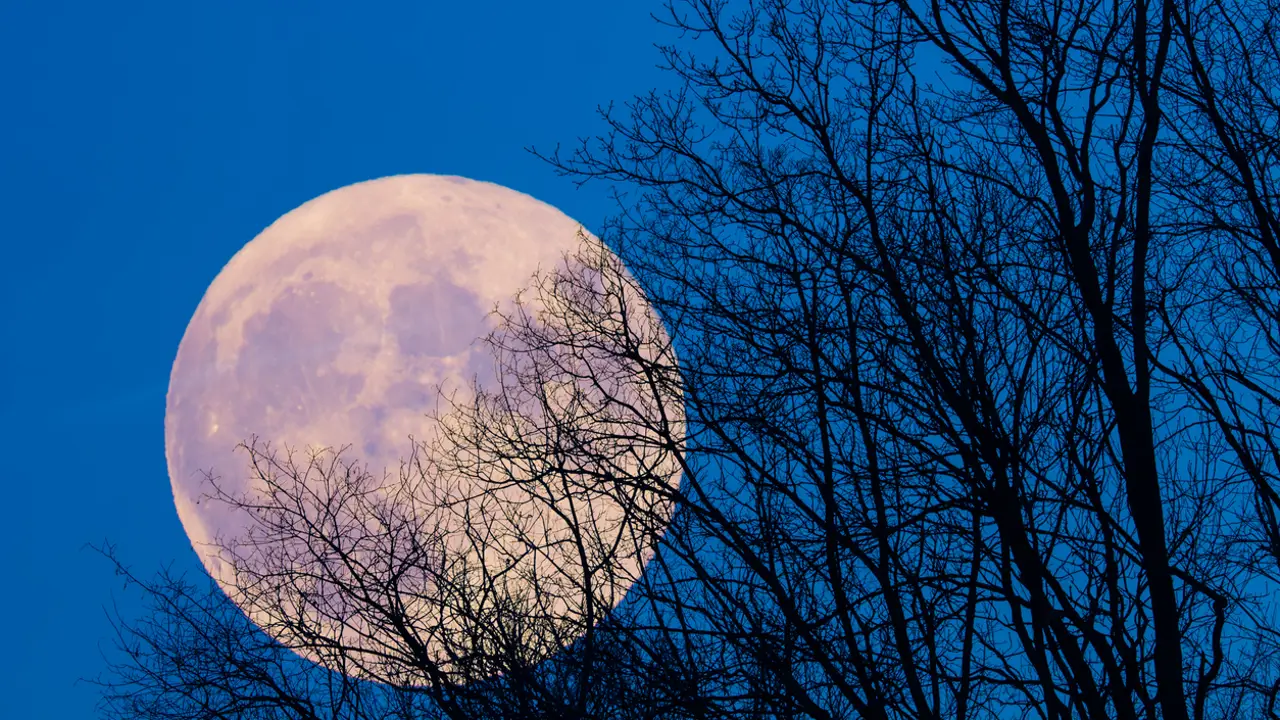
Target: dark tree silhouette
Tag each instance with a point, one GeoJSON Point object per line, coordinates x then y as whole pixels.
{"type": "Point", "coordinates": [977, 306]}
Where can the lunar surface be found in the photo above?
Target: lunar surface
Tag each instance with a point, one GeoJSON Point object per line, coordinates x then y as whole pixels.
{"type": "Point", "coordinates": [340, 325]}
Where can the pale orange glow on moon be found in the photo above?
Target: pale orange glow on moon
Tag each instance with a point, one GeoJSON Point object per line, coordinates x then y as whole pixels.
{"type": "Point", "coordinates": [338, 322]}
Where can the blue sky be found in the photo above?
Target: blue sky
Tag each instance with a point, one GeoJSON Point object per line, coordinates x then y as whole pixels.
{"type": "Point", "coordinates": [141, 145]}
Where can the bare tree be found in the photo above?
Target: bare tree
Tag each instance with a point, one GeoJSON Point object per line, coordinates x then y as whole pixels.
{"type": "Point", "coordinates": [975, 411]}
{"type": "Point", "coordinates": [938, 330]}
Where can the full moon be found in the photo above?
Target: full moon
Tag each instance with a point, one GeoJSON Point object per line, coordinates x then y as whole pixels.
{"type": "Point", "coordinates": [342, 325]}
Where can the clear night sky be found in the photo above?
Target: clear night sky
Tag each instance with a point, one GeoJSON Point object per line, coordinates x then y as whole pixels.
{"type": "Point", "coordinates": [141, 145]}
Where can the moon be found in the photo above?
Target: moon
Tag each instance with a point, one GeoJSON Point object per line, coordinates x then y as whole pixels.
{"type": "Point", "coordinates": [339, 325]}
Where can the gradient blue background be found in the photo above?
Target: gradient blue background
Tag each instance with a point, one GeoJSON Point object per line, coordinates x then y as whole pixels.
{"type": "Point", "coordinates": [141, 145]}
